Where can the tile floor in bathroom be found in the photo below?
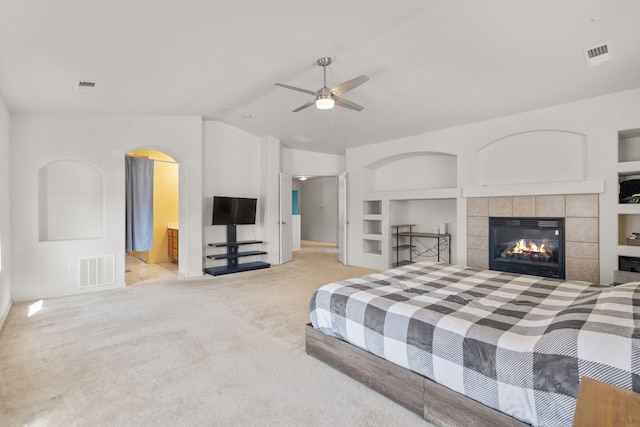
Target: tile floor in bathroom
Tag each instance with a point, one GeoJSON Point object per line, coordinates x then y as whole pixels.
{"type": "Point", "coordinates": [138, 271]}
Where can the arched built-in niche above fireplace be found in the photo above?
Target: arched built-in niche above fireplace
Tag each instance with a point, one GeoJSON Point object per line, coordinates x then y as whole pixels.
{"type": "Point", "coordinates": [411, 171]}
{"type": "Point", "coordinates": [540, 156]}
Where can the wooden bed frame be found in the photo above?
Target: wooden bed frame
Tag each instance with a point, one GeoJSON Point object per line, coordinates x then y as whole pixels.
{"type": "Point", "coordinates": [431, 401]}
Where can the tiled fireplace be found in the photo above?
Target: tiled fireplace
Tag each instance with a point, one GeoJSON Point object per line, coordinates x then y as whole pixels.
{"type": "Point", "coordinates": [581, 221]}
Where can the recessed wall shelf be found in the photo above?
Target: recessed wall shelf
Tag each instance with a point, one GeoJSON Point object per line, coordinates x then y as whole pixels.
{"type": "Point", "coordinates": [372, 227]}
{"type": "Point", "coordinates": [628, 213]}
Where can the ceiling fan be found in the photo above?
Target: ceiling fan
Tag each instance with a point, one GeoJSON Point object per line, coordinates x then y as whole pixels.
{"type": "Point", "coordinates": [326, 98]}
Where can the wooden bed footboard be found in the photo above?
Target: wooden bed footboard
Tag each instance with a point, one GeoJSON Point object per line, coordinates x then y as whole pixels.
{"type": "Point", "coordinates": [431, 401]}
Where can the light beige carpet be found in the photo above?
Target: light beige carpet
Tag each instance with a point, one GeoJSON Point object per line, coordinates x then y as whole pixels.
{"type": "Point", "coordinates": [216, 351]}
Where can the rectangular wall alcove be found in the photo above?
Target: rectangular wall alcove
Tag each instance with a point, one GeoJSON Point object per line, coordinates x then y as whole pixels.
{"type": "Point", "coordinates": [70, 194]}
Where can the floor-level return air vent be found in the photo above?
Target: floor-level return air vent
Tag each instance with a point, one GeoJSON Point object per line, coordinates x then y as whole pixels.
{"type": "Point", "coordinates": [97, 271]}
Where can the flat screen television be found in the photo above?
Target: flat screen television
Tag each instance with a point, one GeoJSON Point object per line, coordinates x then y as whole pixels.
{"type": "Point", "coordinates": [233, 210]}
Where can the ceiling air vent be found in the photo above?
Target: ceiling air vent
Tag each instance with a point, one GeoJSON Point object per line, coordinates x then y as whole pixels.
{"type": "Point", "coordinates": [599, 54]}
{"type": "Point", "coordinates": [301, 139]}
{"type": "Point", "coordinates": [85, 86]}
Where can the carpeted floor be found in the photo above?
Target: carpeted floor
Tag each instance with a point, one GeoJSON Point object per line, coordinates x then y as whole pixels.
{"type": "Point", "coordinates": [215, 351]}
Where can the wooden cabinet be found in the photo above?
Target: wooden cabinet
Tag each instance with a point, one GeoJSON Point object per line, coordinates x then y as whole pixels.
{"type": "Point", "coordinates": [172, 245]}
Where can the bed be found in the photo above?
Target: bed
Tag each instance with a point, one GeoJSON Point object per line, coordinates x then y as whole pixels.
{"type": "Point", "coordinates": [462, 346]}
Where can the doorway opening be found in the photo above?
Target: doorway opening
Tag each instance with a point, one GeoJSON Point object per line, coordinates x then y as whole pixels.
{"type": "Point", "coordinates": [317, 219]}
{"type": "Point", "coordinates": [160, 259]}
{"type": "Point", "coordinates": [325, 251]}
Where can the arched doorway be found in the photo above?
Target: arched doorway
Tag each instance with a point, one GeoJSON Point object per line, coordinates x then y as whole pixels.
{"type": "Point", "coordinates": [160, 261]}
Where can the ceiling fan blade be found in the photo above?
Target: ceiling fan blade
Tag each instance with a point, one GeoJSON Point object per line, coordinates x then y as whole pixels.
{"type": "Point", "coordinates": [348, 85]}
{"type": "Point", "coordinates": [296, 88]}
{"type": "Point", "coordinates": [347, 104]}
{"type": "Point", "coordinates": [302, 107]}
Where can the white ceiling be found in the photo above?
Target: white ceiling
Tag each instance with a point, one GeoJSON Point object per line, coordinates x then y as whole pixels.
{"type": "Point", "coordinates": [432, 63]}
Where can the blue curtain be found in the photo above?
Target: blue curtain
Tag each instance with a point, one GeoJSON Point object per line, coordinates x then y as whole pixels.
{"type": "Point", "coordinates": [139, 204]}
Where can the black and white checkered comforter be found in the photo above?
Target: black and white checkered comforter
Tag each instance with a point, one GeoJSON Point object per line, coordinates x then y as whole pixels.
{"type": "Point", "coordinates": [515, 343]}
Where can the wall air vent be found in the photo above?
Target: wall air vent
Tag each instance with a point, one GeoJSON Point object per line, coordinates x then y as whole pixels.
{"type": "Point", "coordinates": [97, 271]}
{"type": "Point", "coordinates": [599, 54]}
{"type": "Point", "coordinates": [85, 86]}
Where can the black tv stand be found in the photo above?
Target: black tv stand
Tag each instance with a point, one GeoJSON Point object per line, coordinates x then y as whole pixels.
{"type": "Point", "coordinates": [232, 255]}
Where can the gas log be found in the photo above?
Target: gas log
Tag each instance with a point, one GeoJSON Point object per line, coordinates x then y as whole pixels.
{"type": "Point", "coordinates": [528, 252]}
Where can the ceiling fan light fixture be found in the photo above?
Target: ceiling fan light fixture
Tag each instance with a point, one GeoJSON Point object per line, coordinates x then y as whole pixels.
{"type": "Point", "coordinates": [327, 98]}
{"type": "Point", "coordinates": [323, 103]}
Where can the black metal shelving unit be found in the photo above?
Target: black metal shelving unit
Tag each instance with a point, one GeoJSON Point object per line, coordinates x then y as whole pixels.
{"type": "Point", "coordinates": [233, 254]}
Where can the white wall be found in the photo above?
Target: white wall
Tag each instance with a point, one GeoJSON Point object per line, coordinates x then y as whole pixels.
{"type": "Point", "coordinates": [5, 203]}
{"type": "Point", "coordinates": [300, 163]}
{"type": "Point", "coordinates": [319, 209]}
{"type": "Point", "coordinates": [231, 168]}
{"type": "Point", "coordinates": [271, 168]}
{"type": "Point", "coordinates": [598, 119]}
{"type": "Point", "coordinates": [41, 268]}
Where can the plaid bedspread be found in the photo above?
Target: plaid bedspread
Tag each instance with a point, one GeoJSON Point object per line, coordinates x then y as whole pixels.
{"type": "Point", "coordinates": [516, 343]}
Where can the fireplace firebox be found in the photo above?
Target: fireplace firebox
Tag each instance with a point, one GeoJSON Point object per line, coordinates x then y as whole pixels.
{"type": "Point", "coordinates": [527, 246]}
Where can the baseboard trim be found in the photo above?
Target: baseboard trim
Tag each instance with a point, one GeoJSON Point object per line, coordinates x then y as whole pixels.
{"type": "Point", "coordinates": [5, 315]}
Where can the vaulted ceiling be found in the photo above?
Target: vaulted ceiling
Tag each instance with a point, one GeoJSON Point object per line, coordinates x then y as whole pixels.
{"type": "Point", "coordinates": [432, 64]}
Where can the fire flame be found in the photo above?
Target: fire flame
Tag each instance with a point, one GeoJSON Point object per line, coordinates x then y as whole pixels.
{"type": "Point", "coordinates": [522, 247]}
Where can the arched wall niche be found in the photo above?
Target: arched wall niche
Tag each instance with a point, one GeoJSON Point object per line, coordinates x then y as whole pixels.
{"type": "Point", "coordinates": [411, 171]}
{"type": "Point", "coordinates": [540, 156]}
{"type": "Point", "coordinates": [71, 201]}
